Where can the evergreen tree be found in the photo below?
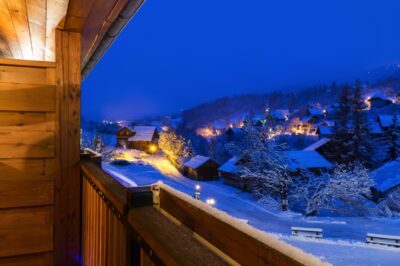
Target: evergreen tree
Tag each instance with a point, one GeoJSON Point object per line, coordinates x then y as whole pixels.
{"type": "Point", "coordinates": [394, 132]}
{"type": "Point", "coordinates": [342, 141]}
{"type": "Point", "coordinates": [360, 146]}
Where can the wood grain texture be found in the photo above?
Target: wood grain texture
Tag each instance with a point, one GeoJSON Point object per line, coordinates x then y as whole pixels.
{"type": "Point", "coordinates": [41, 259]}
{"type": "Point", "coordinates": [19, 16]}
{"type": "Point", "coordinates": [68, 180]}
{"type": "Point", "coordinates": [27, 97]}
{"type": "Point", "coordinates": [37, 11]}
{"type": "Point", "coordinates": [26, 121]}
{"type": "Point", "coordinates": [26, 75]}
{"type": "Point", "coordinates": [26, 182]}
{"type": "Point", "coordinates": [26, 231]}
{"type": "Point", "coordinates": [7, 31]}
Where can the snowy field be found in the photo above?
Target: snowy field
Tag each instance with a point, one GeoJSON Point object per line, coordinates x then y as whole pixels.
{"type": "Point", "coordinates": [344, 237]}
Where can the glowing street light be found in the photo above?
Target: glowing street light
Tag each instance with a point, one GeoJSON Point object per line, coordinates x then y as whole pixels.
{"type": "Point", "coordinates": [210, 202]}
{"type": "Point", "coordinates": [197, 192]}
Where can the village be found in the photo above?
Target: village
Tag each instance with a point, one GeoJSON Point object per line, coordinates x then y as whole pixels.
{"type": "Point", "coordinates": [316, 122]}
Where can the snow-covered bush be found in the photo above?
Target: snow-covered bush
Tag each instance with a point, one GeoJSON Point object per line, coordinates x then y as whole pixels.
{"type": "Point", "coordinates": [344, 191]}
{"type": "Point", "coordinates": [390, 205]}
{"type": "Point", "coordinates": [174, 146]}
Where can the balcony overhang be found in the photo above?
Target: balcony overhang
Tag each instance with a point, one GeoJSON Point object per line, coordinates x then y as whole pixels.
{"type": "Point", "coordinates": [27, 28]}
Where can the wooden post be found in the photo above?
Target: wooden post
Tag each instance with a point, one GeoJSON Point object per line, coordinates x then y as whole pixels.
{"type": "Point", "coordinates": [67, 216]}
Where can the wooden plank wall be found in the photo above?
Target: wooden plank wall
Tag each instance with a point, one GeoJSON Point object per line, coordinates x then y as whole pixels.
{"type": "Point", "coordinates": [104, 237]}
{"type": "Point", "coordinates": [27, 162]}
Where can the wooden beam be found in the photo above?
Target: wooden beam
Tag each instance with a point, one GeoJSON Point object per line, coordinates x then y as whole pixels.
{"type": "Point", "coordinates": [36, 10]}
{"type": "Point", "coordinates": [19, 16]}
{"type": "Point", "coordinates": [68, 181]}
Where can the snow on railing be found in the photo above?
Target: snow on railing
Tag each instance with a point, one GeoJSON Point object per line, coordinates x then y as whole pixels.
{"type": "Point", "coordinates": [271, 241]}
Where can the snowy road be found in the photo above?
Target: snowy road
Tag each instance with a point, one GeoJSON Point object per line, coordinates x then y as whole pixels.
{"type": "Point", "coordinates": [344, 238]}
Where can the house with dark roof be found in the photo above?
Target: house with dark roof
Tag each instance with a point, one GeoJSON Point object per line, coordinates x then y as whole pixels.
{"type": "Point", "coordinates": [325, 131]}
{"type": "Point", "coordinates": [229, 171]}
{"type": "Point", "coordinates": [143, 138]}
{"type": "Point", "coordinates": [201, 168]}
{"type": "Point", "coordinates": [378, 100]}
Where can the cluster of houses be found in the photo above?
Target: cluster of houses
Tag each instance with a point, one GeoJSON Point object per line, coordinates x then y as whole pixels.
{"type": "Point", "coordinates": [315, 121]}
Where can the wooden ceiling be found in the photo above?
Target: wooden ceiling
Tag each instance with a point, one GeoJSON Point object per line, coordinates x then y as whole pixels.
{"type": "Point", "coordinates": [27, 28]}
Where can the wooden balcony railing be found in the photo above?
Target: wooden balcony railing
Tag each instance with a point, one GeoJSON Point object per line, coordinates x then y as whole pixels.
{"type": "Point", "coordinates": [156, 225]}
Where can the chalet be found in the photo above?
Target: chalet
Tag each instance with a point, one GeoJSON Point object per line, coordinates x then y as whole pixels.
{"type": "Point", "coordinates": [378, 101]}
{"type": "Point", "coordinates": [145, 138]}
{"type": "Point", "coordinates": [229, 171]}
{"type": "Point", "coordinates": [201, 168]}
{"type": "Point", "coordinates": [387, 177]}
{"type": "Point", "coordinates": [122, 136]}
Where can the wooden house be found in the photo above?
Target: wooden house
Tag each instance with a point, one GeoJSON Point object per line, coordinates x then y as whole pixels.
{"type": "Point", "coordinates": [378, 101]}
{"type": "Point", "coordinates": [201, 168]}
{"type": "Point", "coordinates": [145, 138]}
{"type": "Point", "coordinates": [229, 171]}
{"type": "Point", "coordinates": [56, 209]}
{"type": "Point", "coordinates": [122, 136]}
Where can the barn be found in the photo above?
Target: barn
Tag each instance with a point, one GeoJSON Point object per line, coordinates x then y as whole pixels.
{"type": "Point", "coordinates": [229, 171]}
{"type": "Point", "coordinates": [201, 168]}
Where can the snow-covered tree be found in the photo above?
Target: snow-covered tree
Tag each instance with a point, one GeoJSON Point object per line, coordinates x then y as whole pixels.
{"type": "Point", "coordinates": [98, 144]}
{"type": "Point", "coordinates": [262, 167]}
{"type": "Point", "coordinates": [390, 205]}
{"type": "Point", "coordinates": [174, 146]}
{"type": "Point", "coordinates": [344, 191]}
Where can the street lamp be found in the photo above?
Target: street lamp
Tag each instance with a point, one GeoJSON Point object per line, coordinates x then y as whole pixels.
{"type": "Point", "coordinates": [210, 202]}
{"type": "Point", "coordinates": [197, 192]}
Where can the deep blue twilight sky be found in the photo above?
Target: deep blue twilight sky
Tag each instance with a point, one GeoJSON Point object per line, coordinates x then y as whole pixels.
{"type": "Point", "coordinates": [178, 53]}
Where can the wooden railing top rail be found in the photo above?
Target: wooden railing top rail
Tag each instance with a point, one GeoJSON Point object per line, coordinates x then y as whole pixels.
{"type": "Point", "coordinates": [241, 242]}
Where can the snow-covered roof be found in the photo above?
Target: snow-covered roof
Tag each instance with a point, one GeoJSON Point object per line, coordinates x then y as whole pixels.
{"type": "Point", "coordinates": [317, 144]}
{"type": "Point", "coordinates": [378, 95]}
{"type": "Point", "coordinates": [306, 160]}
{"type": "Point", "coordinates": [280, 114]}
{"type": "Point", "coordinates": [315, 111]}
{"type": "Point", "coordinates": [230, 166]}
{"type": "Point", "coordinates": [387, 176]}
{"type": "Point", "coordinates": [387, 120]}
{"type": "Point", "coordinates": [197, 161]}
{"type": "Point", "coordinates": [143, 133]}
{"type": "Point", "coordinates": [325, 130]}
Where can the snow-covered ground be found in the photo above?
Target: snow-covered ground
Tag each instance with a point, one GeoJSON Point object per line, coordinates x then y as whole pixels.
{"type": "Point", "coordinates": [344, 238]}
